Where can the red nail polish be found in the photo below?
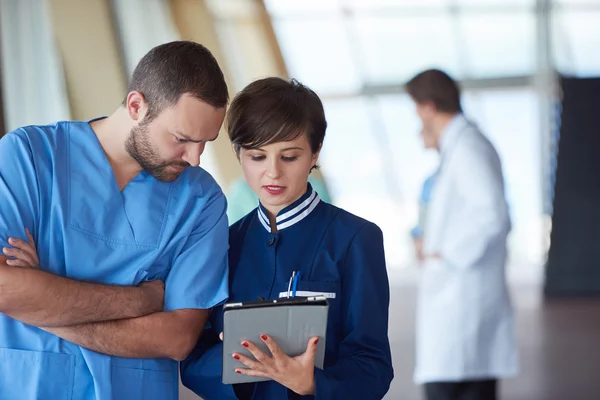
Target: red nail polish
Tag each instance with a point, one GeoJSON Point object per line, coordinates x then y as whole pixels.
{"type": "Point", "coordinates": [316, 341]}
{"type": "Point", "coordinates": [263, 337]}
{"type": "Point", "coordinates": [236, 356]}
{"type": "Point", "coordinates": [245, 344]}
{"type": "Point", "coordinates": [237, 371]}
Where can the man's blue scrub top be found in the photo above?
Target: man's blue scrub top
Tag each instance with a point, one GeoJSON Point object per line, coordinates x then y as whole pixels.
{"type": "Point", "coordinates": [56, 181]}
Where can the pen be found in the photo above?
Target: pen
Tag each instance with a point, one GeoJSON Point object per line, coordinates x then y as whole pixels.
{"type": "Point", "coordinates": [295, 283]}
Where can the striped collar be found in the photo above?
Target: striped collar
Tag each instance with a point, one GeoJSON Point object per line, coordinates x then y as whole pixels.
{"type": "Point", "coordinates": [293, 213]}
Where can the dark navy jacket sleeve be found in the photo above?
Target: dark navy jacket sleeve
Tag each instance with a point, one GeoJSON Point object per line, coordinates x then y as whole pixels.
{"type": "Point", "coordinates": [201, 372]}
{"type": "Point", "coordinates": [364, 366]}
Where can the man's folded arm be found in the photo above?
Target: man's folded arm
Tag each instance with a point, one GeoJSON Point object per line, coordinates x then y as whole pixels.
{"type": "Point", "coordinates": [40, 298]}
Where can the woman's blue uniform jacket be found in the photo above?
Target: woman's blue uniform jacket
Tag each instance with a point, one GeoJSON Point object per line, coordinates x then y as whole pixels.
{"type": "Point", "coordinates": [338, 254]}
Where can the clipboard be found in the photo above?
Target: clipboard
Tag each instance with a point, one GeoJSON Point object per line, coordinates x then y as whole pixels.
{"type": "Point", "coordinates": [290, 322]}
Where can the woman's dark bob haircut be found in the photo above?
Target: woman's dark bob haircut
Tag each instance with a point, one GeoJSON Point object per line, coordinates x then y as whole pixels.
{"type": "Point", "coordinates": [274, 110]}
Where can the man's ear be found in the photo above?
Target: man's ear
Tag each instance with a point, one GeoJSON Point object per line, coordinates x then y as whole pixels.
{"type": "Point", "coordinates": [136, 105]}
{"type": "Point", "coordinates": [430, 106]}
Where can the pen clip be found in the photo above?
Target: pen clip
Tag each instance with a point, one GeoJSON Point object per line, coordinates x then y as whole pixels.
{"type": "Point", "coordinates": [290, 284]}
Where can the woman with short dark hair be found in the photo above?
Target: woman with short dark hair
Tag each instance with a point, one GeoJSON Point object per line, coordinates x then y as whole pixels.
{"type": "Point", "coordinates": [277, 130]}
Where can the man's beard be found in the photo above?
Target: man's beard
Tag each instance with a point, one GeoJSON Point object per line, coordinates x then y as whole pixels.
{"type": "Point", "coordinates": [140, 148]}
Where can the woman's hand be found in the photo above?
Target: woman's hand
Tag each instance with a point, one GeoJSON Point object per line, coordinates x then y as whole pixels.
{"type": "Point", "coordinates": [295, 373]}
{"type": "Point", "coordinates": [24, 253]}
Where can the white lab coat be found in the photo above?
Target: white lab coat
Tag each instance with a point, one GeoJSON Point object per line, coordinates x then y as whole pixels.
{"type": "Point", "coordinates": [464, 314]}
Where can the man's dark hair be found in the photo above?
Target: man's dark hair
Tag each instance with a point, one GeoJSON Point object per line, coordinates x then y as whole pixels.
{"type": "Point", "coordinates": [173, 69]}
{"type": "Point", "coordinates": [273, 110]}
{"type": "Point", "coordinates": [438, 87]}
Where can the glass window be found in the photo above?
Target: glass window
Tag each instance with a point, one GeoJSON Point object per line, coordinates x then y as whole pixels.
{"type": "Point", "coordinates": [502, 3]}
{"type": "Point", "coordinates": [412, 164]}
{"type": "Point", "coordinates": [576, 2]}
{"type": "Point", "coordinates": [396, 48]}
{"type": "Point", "coordinates": [486, 37]}
{"type": "Point", "coordinates": [354, 170]}
{"type": "Point", "coordinates": [208, 162]}
{"type": "Point", "coordinates": [33, 84]}
{"type": "Point", "coordinates": [350, 155]}
{"type": "Point", "coordinates": [374, 4]}
{"type": "Point", "coordinates": [291, 7]}
{"type": "Point", "coordinates": [142, 25]}
{"type": "Point", "coordinates": [576, 38]}
{"type": "Point", "coordinates": [233, 9]}
{"type": "Point", "coordinates": [246, 50]}
{"type": "Point", "coordinates": [317, 52]}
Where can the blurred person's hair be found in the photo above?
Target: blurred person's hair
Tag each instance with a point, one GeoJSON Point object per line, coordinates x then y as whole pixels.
{"type": "Point", "coordinates": [173, 69]}
{"type": "Point", "coordinates": [437, 87]}
{"type": "Point", "coordinates": [274, 110]}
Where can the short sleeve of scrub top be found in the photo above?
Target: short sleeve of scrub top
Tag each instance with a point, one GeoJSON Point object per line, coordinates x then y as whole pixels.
{"type": "Point", "coordinates": [199, 275]}
{"type": "Point", "coordinates": [18, 189]}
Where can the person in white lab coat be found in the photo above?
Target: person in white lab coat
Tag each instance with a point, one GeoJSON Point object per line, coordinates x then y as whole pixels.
{"type": "Point", "coordinates": [465, 339]}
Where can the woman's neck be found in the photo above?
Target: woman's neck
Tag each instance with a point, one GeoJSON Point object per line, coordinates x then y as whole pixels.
{"type": "Point", "coordinates": [273, 222]}
{"type": "Point", "coordinates": [273, 211]}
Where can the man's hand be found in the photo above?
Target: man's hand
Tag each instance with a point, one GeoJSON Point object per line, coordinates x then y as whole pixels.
{"type": "Point", "coordinates": [43, 299]}
{"type": "Point", "coordinates": [24, 253]}
{"type": "Point", "coordinates": [418, 242]}
{"type": "Point", "coordinates": [25, 256]}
